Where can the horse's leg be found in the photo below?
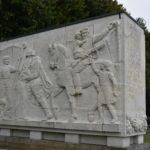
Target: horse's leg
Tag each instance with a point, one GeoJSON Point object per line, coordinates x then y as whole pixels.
{"type": "Point", "coordinates": [52, 105]}
{"type": "Point", "coordinates": [77, 83]}
{"type": "Point", "coordinates": [86, 85]}
{"type": "Point", "coordinates": [54, 94]}
{"type": "Point", "coordinates": [58, 91]}
{"type": "Point", "coordinates": [71, 101]}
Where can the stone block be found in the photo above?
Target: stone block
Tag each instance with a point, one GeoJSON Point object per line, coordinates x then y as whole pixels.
{"type": "Point", "coordinates": [37, 135]}
{"type": "Point", "coordinates": [97, 140]}
{"type": "Point", "coordinates": [21, 133]}
{"type": "Point", "coordinates": [72, 138]}
{"type": "Point", "coordinates": [118, 142]}
{"type": "Point", "coordinates": [5, 132]}
{"type": "Point", "coordinates": [139, 139]}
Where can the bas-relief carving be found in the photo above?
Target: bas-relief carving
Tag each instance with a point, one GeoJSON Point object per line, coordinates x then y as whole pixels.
{"type": "Point", "coordinates": [5, 78]}
{"type": "Point", "coordinates": [30, 81]}
{"type": "Point", "coordinates": [68, 71]}
{"type": "Point", "coordinates": [9, 81]}
{"type": "Point", "coordinates": [31, 73]}
{"type": "Point", "coordinates": [107, 88]}
{"type": "Point", "coordinates": [136, 123]}
{"type": "Point", "coordinates": [36, 81]}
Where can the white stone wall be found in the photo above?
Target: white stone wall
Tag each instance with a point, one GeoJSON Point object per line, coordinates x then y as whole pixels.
{"type": "Point", "coordinates": [123, 47]}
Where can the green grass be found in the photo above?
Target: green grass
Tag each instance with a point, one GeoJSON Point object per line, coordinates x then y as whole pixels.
{"type": "Point", "coordinates": [147, 138]}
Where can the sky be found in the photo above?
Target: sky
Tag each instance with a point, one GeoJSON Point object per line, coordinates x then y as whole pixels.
{"type": "Point", "coordinates": [138, 8]}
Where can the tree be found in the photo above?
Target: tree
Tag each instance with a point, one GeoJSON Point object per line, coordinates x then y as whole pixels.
{"type": "Point", "coordinates": [21, 17]}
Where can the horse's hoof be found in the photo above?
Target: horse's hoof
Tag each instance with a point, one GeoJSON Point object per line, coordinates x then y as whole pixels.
{"type": "Point", "coordinates": [74, 116]}
{"type": "Point", "coordinates": [49, 116]}
{"type": "Point", "coordinates": [115, 121]}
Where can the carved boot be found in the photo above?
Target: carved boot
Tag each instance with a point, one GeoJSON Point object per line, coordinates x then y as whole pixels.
{"type": "Point", "coordinates": [91, 116]}
{"type": "Point", "coordinates": [78, 90]}
{"type": "Point", "coordinates": [49, 116]}
{"type": "Point", "coordinates": [115, 121]}
{"type": "Point", "coordinates": [74, 116]}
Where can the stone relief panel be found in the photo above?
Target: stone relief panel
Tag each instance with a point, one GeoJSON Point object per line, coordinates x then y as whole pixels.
{"type": "Point", "coordinates": [9, 83]}
{"type": "Point", "coordinates": [36, 81]}
{"type": "Point", "coordinates": [69, 74]}
{"type": "Point", "coordinates": [24, 82]}
{"type": "Point", "coordinates": [107, 89]}
{"type": "Point", "coordinates": [65, 84]}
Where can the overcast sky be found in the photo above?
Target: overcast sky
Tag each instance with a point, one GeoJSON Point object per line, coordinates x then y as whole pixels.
{"type": "Point", "coordinates": [138, 8]}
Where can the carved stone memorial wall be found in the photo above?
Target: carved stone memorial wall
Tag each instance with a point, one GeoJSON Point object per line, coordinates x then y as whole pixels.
{"type": "Point", "coordinates": [85, 79]}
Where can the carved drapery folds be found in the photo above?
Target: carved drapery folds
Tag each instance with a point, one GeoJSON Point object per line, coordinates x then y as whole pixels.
{"type": "Point", "coordinates": [135, 124]}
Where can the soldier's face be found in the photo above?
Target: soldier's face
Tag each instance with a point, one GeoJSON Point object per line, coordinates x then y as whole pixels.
{"type": "Point", "coordinates": [108, 68]}
{"type": "Point", "coordinates": [78, 37]}
{"type": "Point", "coordinates": [102, 67]}
{"type": "Point", "coordinates": [52, 50]}
{"type": "Point", "coordinates": [6, 61]}
{"type": "Point", "coordinates": [85, 34]}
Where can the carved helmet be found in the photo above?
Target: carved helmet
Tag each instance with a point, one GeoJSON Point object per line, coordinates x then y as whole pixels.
{"type": "Point", "coordinates": [30, 52]}
{"type": "Point", "coordinates": [84, 30]}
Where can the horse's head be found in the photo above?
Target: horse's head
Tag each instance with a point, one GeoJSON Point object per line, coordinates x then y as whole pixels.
{"type": "Point", "coordinates": [60, 49]}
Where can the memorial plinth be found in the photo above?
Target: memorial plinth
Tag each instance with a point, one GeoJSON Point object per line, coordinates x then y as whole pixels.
{"type": "Point", "coordinates": [81, 83]}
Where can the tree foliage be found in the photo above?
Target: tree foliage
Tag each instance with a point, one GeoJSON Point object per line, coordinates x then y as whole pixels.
{"type": "Point", "coordinates": [25, 16]}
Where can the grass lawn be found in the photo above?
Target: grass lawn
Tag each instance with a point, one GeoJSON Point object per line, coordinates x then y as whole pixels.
{"type": "Point", "coordinates": [147, 138]}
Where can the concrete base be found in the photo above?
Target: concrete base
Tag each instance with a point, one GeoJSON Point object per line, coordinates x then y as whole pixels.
{"type": "Point", "coordinates": [139, 139]}
{"type": "Point", "coordinates": [16, 143]}
{"type": "Point", "coordinates": [5, 132]}
{"type": "Point", "coordinates": [36, 135]}
{"type": "Point", "coordinates": [118, 142]}
{"type": "Point", "coordinates": [73, 138]}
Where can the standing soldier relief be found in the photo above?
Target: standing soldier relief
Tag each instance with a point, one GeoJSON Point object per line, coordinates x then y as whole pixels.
{"type": "Point", "coordinates": [6, 71]}
{"type": "Point", "coordinates": [37, 82]}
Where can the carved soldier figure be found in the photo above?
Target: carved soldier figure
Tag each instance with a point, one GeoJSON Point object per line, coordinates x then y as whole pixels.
{"type": "Point", "coordinates": [85, 50]}
{"type": "Point", "coordinates": [108, 85]}
{"type": "Point", "coordinates": [37, 81]}
{"type": "Point", "coordinates": [5, 79]}
{"type": "Point", "coordinates": [78, 53]}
